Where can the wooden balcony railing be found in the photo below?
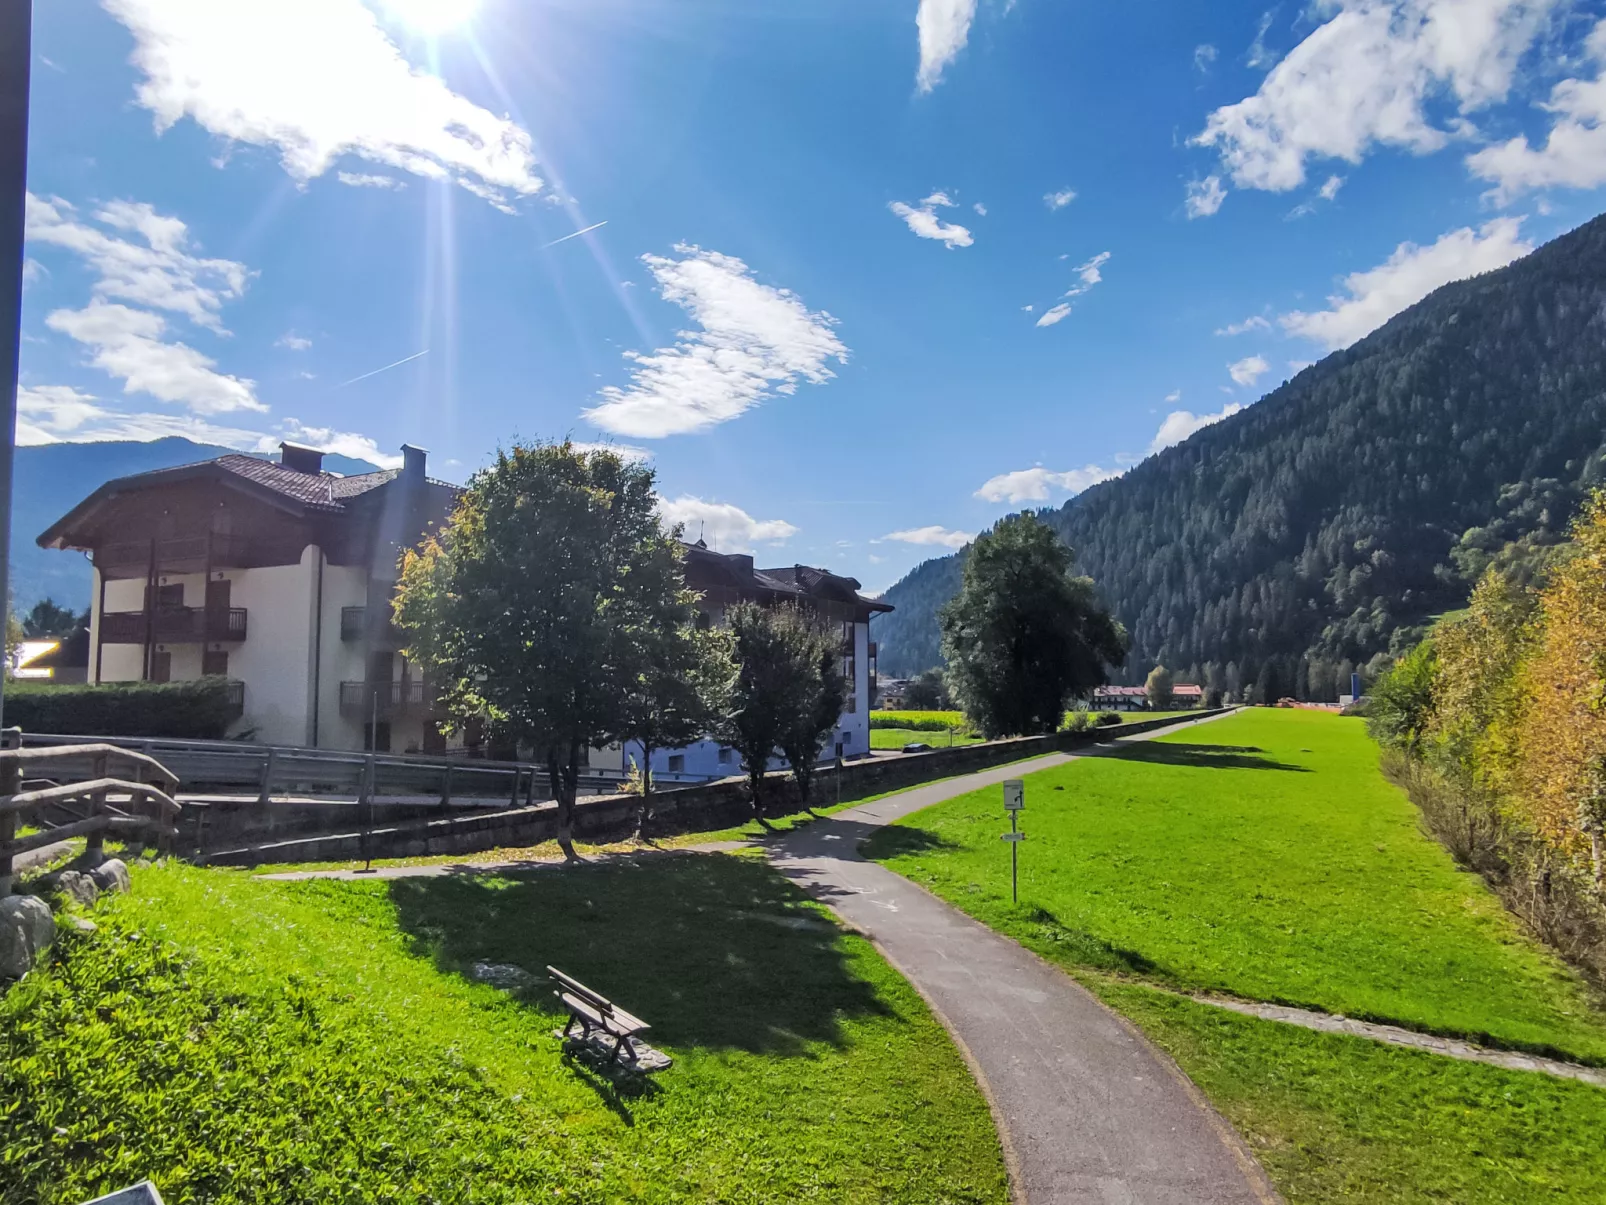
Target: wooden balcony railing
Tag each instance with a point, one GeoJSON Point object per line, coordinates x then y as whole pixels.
{"type": "Point", "coordinates": [175, 625]}
{"type": "Point", "coordinates": [217, 550]}
{"type": "Point", "coordinates": [356, 623]}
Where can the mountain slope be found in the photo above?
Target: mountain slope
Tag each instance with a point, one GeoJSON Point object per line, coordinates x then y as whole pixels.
{"type": "Point", "coordinates": [1327, 523]}
{"type": "Point", "coordinates": [53, 478]}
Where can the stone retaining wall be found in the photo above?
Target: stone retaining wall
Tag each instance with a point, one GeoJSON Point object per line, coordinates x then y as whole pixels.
{"type": "Point", "coordinates": [708, 806]}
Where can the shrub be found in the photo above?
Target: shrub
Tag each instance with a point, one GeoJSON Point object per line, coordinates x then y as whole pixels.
{"type": "Point", "coordinates": [1106, 718]}
{"type": "Point", "coordinates": [201, 709]}
{"type": "Point", "coordinates": [1078, 721]}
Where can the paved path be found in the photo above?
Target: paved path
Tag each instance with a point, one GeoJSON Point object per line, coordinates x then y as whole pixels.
{"type": "Point", "coordinates": [1088, 1111]}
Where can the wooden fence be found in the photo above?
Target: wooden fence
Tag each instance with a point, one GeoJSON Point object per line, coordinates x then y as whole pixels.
{"type": "Point", "coordinates": [39, 784]}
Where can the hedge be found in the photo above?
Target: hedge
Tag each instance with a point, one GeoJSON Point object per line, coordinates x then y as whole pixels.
{"type": "Point", "coordinates": [195, 710]}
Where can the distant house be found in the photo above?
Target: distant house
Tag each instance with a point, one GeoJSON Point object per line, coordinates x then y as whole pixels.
{"type": "Point", "coordinates": [278, 576]}
{"type": "Point", "coordinates": [725, 579]}
{"type": "Point", "coordinates": [1185, 694]}
{"type": "Point", "coordinates": [1119, 698]}
{"type": "Point", "coordinates": [889, 693]}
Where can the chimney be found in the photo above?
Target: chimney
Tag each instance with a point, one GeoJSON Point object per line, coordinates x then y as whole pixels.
{"type": "Point", "coordinates": [413, 461]}
{"type": "Point", "coordinates": [299, 459]}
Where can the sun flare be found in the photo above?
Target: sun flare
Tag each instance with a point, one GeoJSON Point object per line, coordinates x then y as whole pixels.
{"type": "Point", "coordinates": [433, 16]}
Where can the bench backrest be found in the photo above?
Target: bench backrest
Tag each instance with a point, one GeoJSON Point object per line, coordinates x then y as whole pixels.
{"type": "Point", "coordinates": [570, 983]}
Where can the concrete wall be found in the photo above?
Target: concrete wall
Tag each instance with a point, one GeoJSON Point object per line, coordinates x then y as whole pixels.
{"type": "Point", "coordinates": [711, 805]}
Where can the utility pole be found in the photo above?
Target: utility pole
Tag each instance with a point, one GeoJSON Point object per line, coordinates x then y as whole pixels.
{"type": "Point", "coordinates": [16, 56]}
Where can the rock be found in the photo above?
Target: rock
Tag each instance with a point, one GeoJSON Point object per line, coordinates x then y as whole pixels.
{"type": "Point", "coordinates": [78, 887]}
{"type": "Point", "coordinates": [503, 975]}
{"type": "Point", "coordinates": [26, 931]}
{"type": "Point", "coordinates": [79, 924]}
{"type": "Point", "coordinates": [111, 875]}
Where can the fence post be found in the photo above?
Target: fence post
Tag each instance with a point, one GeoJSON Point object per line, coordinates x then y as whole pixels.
{"type": "Point", "coordinates": [446, 786]}
{"type": "Point", "coordinates": [95, 843]}
{"type": "Point", "coordinates": [518, 773]}
{"type": "Point", "coordinates": [137, 842]}
{"type": "Point", "coordinates": [9, 776]}
{"type": "Point", "coordinates": [529, 789]}
{"type": "Point", "coordinates": [265, 794]}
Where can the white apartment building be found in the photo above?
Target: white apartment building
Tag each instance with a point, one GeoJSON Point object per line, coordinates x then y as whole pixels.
{"type": "Point", "coordinates": [277, 576]}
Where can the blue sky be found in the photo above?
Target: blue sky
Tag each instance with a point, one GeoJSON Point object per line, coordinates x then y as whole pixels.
{"type": "Point", "coordinates": [859, 277]}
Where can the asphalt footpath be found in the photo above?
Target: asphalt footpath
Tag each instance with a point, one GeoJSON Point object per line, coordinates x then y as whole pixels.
{"type": "Point", "coordinates": [1087, 1109]}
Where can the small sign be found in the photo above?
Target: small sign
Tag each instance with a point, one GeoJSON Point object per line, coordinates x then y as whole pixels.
{"type": "Point", "coordinates": [1013, 837]}
{"type": "Point", "coordinates": [1014, 795]}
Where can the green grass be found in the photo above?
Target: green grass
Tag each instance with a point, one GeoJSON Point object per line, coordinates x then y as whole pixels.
{"type": "Point", "coordinates": [923, 721]}
{"type": "Point", "coordinates": [1264, 856]}
{"type": "Point", "coordinates": [897, 738]}
{"type": "Point", "coordinates": [239, 1041]}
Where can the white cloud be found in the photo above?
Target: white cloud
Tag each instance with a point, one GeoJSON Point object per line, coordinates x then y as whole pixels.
{"type": "Point", "coordinates": [1248, 370]}
{"type": "Point", "coordinates": [49, 414]}
{"type": "Point", "coordinates": [327, 439]}
{"type": "Point", "coordinates": [291, 341]}
{"type": "Point", "coordinates": [1203, 56]}
{"type": "Point", "coordinates": [1364, 79]}
{"type": "Point", "coordinates": [1059, 200]}
{"type": "Point", "coordinates": [1574, 152]}
{"type": "Point", "coordinates": [923, 220]}
{"type": "Point", "coordinates": [1330, 187]}
{"type": "Point", "coordinates": [128, 344]}
{"type": "Point", "coordinates": [1174, 396]}
{"type": "Point", "coordinates": [1089, 274]}
{"type": "Point", "coordinates": [755, 341]}
{"type": "Point", "coordinates": [944, 28]}
{"type": "Point", "coordinates": [159, 272]}
{"type": "Point", "coordinates": [1180, 424]}
{"type": "Point", "coordinates": [1253, 323]}
{"type": "Point", "coordinates": [1204, 197]}
{"type": "Point", "coordinates": [1372, 297]}
{"type": "Point", "coordinates": [725, 528]}
{"type": "Point", "coordinates": [1039, 484]}
{"type": "Point", "coordinates": [366, 180]}
{"type": "Point", "coordinates": [1259, 56]}
{"type": "Point", "coordinates": [934, 536]}
{"type": "Point", "coordinates": [317, 80]}
{"type": "Point", "coordinates": [981, 210]}
{"type": "Point", "coordinates": [33, 270]}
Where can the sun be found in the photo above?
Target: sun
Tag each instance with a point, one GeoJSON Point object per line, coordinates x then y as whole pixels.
{"type": "Point", "coordinates": [433, 16]}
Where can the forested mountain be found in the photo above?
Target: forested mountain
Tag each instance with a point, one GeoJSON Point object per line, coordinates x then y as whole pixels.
{"type": "Point", "coordinates": [1321, 528]}
{"type": "Point", "coordinates": [51, 479]}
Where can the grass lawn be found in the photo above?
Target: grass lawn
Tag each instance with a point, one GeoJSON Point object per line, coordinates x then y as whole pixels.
{"type": "Point", "coordinates": [240, 1041]}
{"type": "Point", "coordinates": [1264, 856]}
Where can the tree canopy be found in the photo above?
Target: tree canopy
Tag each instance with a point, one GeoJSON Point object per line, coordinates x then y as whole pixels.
{"type": "Point", "coordinates": [1024, 634]}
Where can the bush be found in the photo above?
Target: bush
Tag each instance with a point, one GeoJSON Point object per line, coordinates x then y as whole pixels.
{"type": "Point", "coordinates": [201, 709]}
{"type": "Point", "coordinates": [1078, 721]}
{"type": "Point", "coordinates": [1106, 718]}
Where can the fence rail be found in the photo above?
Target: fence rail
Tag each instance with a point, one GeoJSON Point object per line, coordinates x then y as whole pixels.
{"type": "Point", "coordinates": [91, 807]}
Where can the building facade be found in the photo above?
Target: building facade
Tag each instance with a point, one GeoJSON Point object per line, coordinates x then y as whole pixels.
{"type": "Point", "coordinates": [725, 579]}
{"type": "Point", "coordinates": [276, 575]}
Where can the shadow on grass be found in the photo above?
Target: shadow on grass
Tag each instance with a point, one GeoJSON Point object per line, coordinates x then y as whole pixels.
{"type": "Point", "coordinates": [1220, 757]}
{"type": "Point", "coordinates": [712, 951]}
{"type": "Point", "coordinates": [1086, 949]}
{"type": "Point", "coordinates": [899, 840]}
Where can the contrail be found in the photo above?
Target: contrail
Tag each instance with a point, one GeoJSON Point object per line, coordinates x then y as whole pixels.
{"type": "Point", "coordinates": [386, 368]}
{"type": "Point", "coordinates": [576, 234]}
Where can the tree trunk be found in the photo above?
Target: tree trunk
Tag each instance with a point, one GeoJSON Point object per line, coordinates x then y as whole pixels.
{"type": "Point", "coordinates": [562, 771]}
{"type": "Point", "coordinates": [644, 808]}
{"type": "Point", "coordinates": [755, 788]}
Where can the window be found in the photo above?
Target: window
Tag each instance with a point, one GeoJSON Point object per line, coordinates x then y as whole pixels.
{"type": "Point", "coordinates": [725, 756]}
{"type": "Point", "coordinates": [677, 763]}
{"type": "Point", "coordinates": [215, 661]}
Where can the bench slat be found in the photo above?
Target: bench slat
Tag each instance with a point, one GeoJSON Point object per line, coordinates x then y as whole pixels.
{"type": "Point", "coordinates": [620, 1024]}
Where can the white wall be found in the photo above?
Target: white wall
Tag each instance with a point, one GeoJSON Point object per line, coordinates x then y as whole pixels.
{"type": "Point", "coordinates": [341, 660]}
{"type": "Point", "coordinates": [275, 660]}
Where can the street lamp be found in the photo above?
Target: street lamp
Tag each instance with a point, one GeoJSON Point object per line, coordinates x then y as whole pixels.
{"type": "Point", "coordinates": [16, 57]}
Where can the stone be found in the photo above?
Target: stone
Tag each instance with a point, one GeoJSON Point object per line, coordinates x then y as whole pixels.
{"type": "Point", "coordinates": [111, 875]}
{"type": "Point", "coordinates": [27, 930]}
{"type": "Point", "coordinates": [79, 924]}
{"type": "Point", "coordinates": [503, 975]}
{"type": "Point", "coordinates": [78, 887]}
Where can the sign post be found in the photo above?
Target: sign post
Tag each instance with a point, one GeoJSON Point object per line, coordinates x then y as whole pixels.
{"type": "Point", "coordinates": [1014, 804]}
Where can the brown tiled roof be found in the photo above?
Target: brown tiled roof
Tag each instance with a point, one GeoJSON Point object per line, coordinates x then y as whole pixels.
{"type": "Point", "coordinates": [319, 491]}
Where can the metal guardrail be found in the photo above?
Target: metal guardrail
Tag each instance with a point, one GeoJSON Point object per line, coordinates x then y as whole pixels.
{"type": "Point", "coordinates": [269, 771]}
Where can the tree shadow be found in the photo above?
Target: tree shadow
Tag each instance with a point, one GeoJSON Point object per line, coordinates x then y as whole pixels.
{"type": "Point", "coordinates": [1182, 753]}
{"type": "Point", "coordinates": [711, 950]}
{"type": "Point", "coordinates": [897, 840]}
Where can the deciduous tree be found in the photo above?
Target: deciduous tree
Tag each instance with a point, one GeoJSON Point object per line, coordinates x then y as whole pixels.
{"type": "Point", "coordinates": [1159, 687]}
{"type": "Point", "coordinates": [1024, 634]}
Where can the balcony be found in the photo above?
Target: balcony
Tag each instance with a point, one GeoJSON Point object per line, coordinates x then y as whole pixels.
{"type": "Point", "coordinates": [355, 624]}
{"type": "Point", "coordinates": [175, 625]}
{"type": "Point", "coordinates": [359, 700]}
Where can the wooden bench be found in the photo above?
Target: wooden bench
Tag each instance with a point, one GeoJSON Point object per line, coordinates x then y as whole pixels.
{"type": "Point", "coordinates": [593, 1011]}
